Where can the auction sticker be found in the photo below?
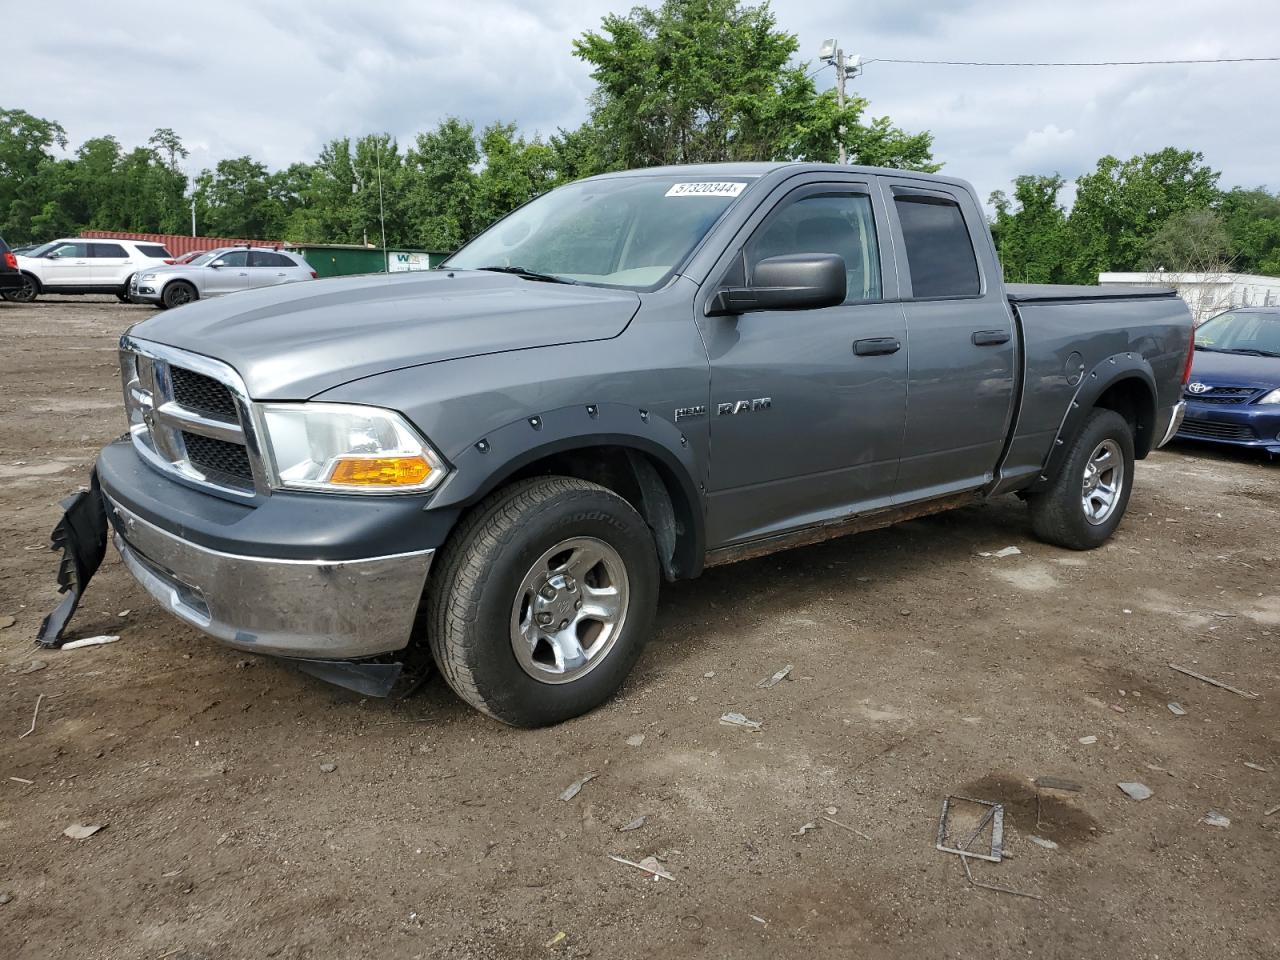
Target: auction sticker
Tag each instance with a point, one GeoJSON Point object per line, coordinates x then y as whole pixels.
{"type": "Point", "coordinates": [711, 188]}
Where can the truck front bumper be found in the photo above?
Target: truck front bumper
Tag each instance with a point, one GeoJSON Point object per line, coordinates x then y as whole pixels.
{"type": "Point", "coordinates": [316, 609]}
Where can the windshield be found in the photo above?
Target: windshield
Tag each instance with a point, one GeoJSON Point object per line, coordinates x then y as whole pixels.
{"type": "Point", "coordinates": [1241, 332]}
{"type": "Point", "coordinates": [617, 232]}
{"type": "Point", "coordinates": [41, 250]}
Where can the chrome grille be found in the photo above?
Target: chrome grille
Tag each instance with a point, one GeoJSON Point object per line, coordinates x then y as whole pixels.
{"type": "Point", "coordinates": [190, 416]}
{"type": "Point", "coordinates": [195, 391]}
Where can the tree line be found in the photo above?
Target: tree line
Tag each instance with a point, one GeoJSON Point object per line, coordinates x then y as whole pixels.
{"type": "Point", "coordinates": [1161, 210]}
{"type": "Point", "coordinates": [689, 81]}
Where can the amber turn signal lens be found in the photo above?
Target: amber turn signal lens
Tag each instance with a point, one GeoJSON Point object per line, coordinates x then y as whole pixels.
{"type": "Point", "coordinates": [380, 471]}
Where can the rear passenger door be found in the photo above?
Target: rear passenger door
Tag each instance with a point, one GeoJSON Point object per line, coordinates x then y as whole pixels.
{"type": "Point", "coordinates": [110, 264]}
{"type": "Point", "coordinates": [961, 343]}
{"type": "Point", "coordinates": [268, 269]}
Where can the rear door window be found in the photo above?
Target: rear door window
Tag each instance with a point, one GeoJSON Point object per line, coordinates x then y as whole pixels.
{"type": "Point", "coordinates": [106, 251]}
{"type": "Point", "coordinates": [940, 254]}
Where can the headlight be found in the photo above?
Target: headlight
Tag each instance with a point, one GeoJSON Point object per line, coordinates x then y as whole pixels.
{"type": "Point", "coordinates": [1272, 397]}
{"type": "Point", "coordinates": [343, 448]}
{"type": "Point", "coordinates": [148, 276]}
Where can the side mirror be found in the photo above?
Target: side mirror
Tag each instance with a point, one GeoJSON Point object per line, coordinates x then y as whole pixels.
{"type": "Point", "coordinates": [218, 263]}
{"type": "Point", "coordinates": [53, 256]}
{"type": "Point", "coordinates": [795, 281]}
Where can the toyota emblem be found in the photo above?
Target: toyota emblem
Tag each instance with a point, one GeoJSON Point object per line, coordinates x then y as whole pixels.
{"type": "Point", "coordinates": [1198, 387]}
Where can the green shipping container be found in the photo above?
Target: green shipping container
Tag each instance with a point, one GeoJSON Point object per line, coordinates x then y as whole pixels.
{"type": "Point", "coordinates": [344, 260]}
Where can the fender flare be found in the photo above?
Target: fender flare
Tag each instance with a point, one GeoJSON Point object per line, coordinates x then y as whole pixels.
{"type": "Point", "coordinates": [490, 460]}
{"type": "Point", "coordinates": [1105, 375]}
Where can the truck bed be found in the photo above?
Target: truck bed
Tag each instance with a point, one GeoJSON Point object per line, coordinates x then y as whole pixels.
{"type": "Point", "coordinates": [1068, 293]}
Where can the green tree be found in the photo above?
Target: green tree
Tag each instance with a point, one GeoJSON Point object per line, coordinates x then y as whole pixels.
{"type": "Point", "coordinates": [442, 185]}
{"type": "Point", "coordinates": [1190, 241]}
{"type": "Point", "coordinates": [1122, 204]}
{"type": "Point", "coordinates": [1252, 221]}
{"type": "Point", "coordinates": [514, 172]}
{"type": "Point", "coordinates": [1031, 232]}
{"type": "Point", "coordinates": [236, 199]}
{"type": "Point", "coordinates": [26, 162]}
{"type": "Point", "coordinates": [697, 81]}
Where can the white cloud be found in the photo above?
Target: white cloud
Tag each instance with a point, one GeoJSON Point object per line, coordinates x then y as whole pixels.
{"type": "Point", "coordinates": [278, 80]}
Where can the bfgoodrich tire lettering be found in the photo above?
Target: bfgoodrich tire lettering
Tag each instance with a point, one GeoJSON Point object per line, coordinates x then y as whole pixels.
{"type": "Point", "coordinates": [1073, 512]}
{"type": "Point", "coordinates": [483, 571]}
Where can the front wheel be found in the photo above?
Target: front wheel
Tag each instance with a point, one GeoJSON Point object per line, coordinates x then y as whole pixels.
{"type": "Point", "coordinates": [1087, 499]}
{"type": "Point", "coordinates": [543, 600]}
{"type": "Point", "coordinates": [177, 293]}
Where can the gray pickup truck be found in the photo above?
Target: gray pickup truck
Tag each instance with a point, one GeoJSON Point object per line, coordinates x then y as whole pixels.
{"type": "Point", "coordinates": [493, 466]}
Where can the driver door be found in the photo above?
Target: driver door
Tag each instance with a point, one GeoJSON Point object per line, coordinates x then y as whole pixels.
{"type": "Point", "coordinates": [230, 276]}
{"type": "Point", "coordinates": [67, 265]}
{"type": "Point", "coordinates": [808, 406]}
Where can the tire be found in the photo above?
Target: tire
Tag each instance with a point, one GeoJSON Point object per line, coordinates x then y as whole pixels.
{"type": "Point", "coordinates": [123, 293]}
{"type": "Point", "coordinates": [179, 292]}
{"type": "Point", "coordinates": [523, 555]}
{"type": "Point", "coordinates": [1059, 514]}
{"type": "Point", "coordinates": [27, 293]}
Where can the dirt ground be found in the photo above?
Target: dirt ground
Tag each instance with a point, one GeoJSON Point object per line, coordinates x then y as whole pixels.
{"type": "Point", "coordinates": [921, 669]}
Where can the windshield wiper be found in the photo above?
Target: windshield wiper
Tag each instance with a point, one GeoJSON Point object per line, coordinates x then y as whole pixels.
{"type": "Point", "coordinates": [528, 274]}
{"type": "Point", "coordinates": [1201, 346]}
{"type": "Point", "coordinates": [1249, 352]}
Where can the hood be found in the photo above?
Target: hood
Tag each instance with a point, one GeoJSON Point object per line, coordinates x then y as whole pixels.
{"type": "Point", "coordinates": [1235, 370]}
{"type": "Point", "coordinates": [295, 340]}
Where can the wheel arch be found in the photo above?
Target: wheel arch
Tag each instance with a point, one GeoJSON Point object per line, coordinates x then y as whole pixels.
{"type": "Point", "coordinates": [650, 467]}
{"type": "Point", "coordinates": [1124, 383]}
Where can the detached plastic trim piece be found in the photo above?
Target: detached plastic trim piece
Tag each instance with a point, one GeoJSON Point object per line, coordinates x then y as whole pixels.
{"type": "Point", "coordinates": [81, 535]}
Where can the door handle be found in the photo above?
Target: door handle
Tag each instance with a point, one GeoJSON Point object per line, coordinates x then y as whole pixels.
{"type": "Point", "coordinates": [989, 338]}
{"type": "Point", "coordinates": [876, 346]}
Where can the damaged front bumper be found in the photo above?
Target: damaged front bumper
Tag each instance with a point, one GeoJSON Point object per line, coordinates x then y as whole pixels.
{"type": "Point", "coordinates": [315, 609]}
{"type": "Point", "coordinates": [332, 584]}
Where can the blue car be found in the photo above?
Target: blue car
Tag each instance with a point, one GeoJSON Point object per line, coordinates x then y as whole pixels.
{"type": "Point", "coordinates": [1233, 395]}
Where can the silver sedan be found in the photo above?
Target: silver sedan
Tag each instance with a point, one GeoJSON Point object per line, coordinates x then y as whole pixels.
{"type": "Point", "coordinates": [216, 273]}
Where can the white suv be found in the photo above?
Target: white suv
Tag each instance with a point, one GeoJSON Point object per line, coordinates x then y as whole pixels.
{"type": "Point", "coordinates": [86, 265]}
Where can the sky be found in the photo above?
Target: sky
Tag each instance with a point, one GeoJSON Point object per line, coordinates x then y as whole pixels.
{"type": "Point", "coordinates": [278, 80]}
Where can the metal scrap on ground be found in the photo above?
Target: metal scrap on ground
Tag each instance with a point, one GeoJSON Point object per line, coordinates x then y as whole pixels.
{"type": "Point", "coordinates": [635, 824]}
{"type": "Point", "coordinates": [1057, 783]}
{"type": "Point", "coordinates": [778, 677]}
{"type": "Point", "coordinates": [574, 788]}
{"type": "Point", "coordinates": [738, 720]}
{"type": "Point", "coordinates": [1006, 552]}
{"type": "Point", "coordinates": [89, 642]}
{"type": "Point", "coordinates": [995, 817]}
{"type": "Point", "coordinates": [648, 865]}
{"type": "Point", "coordinates": [80, 831]}
{"type": "Point", "coordinates": [1177, 709]}
{"type": "Point", "coordinates": [1215, 819]}
{"type": "Point", "coordinates": [1136, 791]}
{"type": "Point", "coordinates": [1214, 683]}
{"type": "Point", "coordinates": [845, 826]}
{"type": "Point", "coordinates": [34, 715]}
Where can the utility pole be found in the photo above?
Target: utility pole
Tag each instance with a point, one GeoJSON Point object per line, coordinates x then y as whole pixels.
{"type": "Point", "coordinates": [193, 214]}
{"type": "Point", "coordinates": [832, 53]}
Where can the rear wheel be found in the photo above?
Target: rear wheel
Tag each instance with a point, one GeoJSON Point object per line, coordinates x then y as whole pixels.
{"type": "Point", "coordinates": [1087, 500]}
{"type": "Point", "coordinates": [25, 293]}
{"type": "Point", "coordinates": [543, 600]}
{"type": "Point", "coordinates": [179, 292]}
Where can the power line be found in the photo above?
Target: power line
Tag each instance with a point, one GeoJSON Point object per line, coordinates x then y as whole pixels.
{"type": "Point", "coordinates": [1076, 63]}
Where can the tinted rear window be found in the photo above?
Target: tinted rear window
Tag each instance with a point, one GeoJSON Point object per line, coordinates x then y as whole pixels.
{"type": "Point", "coordinates": [939, 253]}
{"type": "Point", "coordinates": [154, 250]}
